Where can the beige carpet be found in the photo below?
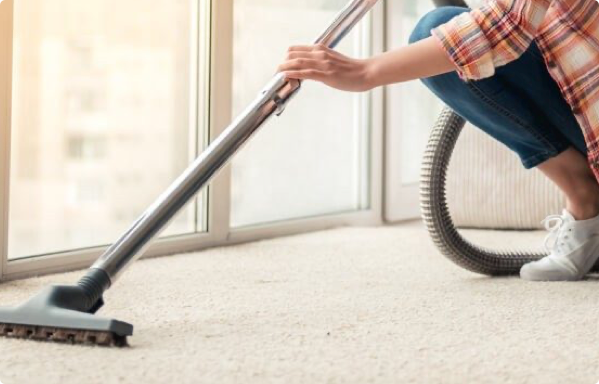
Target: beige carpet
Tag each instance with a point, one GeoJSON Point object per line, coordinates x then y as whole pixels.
{"type": "Point", "coordinates": [351, 305]}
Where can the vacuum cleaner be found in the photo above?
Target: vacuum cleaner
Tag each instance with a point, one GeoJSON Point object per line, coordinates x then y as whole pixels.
{"type": "Point", "coordinates": [67, 313]}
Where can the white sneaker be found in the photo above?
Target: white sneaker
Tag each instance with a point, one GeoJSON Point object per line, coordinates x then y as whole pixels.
{"type": "Point", "coordinates": [573, 253]}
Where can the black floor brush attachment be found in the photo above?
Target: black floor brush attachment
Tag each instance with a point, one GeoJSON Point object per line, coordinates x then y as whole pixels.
{"type": "Point", "coordinates": [65, 313]}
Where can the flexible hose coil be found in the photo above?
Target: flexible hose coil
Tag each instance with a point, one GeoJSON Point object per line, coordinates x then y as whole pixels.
{"type": "Point", "coordinates": [436, 215]}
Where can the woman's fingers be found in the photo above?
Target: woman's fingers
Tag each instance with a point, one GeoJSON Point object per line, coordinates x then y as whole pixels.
{"type": "Point", "coordinates": [301, 48]}
{"type": "Point", "coordinates": [306, 74]}
{"type": "Point", "coordinates": [316, 55]}
{"type": "Point", "coordinates": [305, 57]}
{"type": "Point", "coordinates": [322, 64]}
{"type": "Point", "coordinates": [312, 62]}
{"type": "Point", "coordinates": [303, 64]}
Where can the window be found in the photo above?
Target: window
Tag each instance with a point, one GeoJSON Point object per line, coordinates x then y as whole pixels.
{"type": "Point", "coordinates": [313, 159]}
{"type": "Point", "coordinates": [83, 147]}
{"type": "Point", "coordinates": [99, 98]}
{"type": "Point", "coordinates": [108, 108]}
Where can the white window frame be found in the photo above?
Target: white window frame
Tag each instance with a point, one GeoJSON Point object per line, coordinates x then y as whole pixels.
{"type": "Point", "coordinates": [402, 199]}
{"type": "Point", "coordinates": [219, 230]}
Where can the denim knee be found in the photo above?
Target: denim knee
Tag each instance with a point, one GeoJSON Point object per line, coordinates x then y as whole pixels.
{"type": "Point", "coordinates": [432, 20]}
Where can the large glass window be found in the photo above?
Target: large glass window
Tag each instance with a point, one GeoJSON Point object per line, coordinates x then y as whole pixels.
{"type": "Point", "coordinates": [313, 159]}
{"type": "Point", "coordinates": [104, 117]}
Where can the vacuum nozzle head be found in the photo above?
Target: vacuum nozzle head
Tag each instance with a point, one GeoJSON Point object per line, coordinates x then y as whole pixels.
{"type": "Point", "coordinates": [61, 314]}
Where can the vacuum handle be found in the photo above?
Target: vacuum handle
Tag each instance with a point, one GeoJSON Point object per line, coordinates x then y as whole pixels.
{"type": "Point", "coordinates": [345, 21]}
{"type": "Point", "coordinates": [272, 100]}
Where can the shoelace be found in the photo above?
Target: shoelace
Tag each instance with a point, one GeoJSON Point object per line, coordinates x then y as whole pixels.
{"type": "Point", "coordinates": [553, 230]}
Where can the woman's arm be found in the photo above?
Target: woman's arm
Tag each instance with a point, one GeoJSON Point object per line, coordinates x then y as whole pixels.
{"type": "Point", "coordinates": [424, 58]}
{"type": "Point", "coordinates": [473, 43]}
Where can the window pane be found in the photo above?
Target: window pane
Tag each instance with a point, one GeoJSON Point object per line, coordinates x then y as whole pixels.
{"type": "Point", "coordinates": [104, 101]}
{"type": "Point", "coordinates": [313, 159]}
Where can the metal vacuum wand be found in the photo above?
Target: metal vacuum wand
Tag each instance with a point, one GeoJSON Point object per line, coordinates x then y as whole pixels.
{"type": "Point", "coordinates": [272, 100]}
{"type": "Point", "coordinates": [66, 313]}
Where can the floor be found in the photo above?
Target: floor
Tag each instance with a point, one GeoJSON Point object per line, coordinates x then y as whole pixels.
{"type": "Point", "coordinates": [350, 305]}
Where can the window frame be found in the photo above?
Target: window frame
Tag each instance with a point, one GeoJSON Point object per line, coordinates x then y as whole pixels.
{"type": "Point", "coordinates": [402, 198]}
{"type": "Point", "coordinates": [219, 232]}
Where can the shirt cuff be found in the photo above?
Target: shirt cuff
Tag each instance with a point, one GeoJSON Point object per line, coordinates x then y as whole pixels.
{"type": "Point", "coordinates": [466, 47]}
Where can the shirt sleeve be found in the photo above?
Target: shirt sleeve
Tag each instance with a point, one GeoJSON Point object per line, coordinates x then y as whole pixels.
{"type": "Point", "coordinates": [493, 35]}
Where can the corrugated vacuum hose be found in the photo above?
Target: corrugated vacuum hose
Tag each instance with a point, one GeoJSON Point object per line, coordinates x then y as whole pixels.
{"type": "Point", "coordinates": [436, 215]}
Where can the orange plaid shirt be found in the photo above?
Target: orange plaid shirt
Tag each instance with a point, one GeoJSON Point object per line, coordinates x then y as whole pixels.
{"type": "Point", "coordinates": [567, 33]}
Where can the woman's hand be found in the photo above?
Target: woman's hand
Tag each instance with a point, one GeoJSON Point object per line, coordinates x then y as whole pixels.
{"type": "Point", "coordinates": [320, 63]}
{"type": "Point", "coordinates": [415, 61]}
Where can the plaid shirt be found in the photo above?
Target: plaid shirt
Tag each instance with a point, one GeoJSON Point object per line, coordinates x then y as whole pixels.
{"type": "Point", "coordinates": [567, 33]}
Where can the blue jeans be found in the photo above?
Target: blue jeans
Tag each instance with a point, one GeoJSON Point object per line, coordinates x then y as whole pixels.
{"type": "Point", "coordinates": [521, 105]}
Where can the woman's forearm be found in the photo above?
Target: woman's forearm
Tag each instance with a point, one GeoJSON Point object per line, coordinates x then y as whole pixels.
{"type": "Point", "coordinates": [424, 58]}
